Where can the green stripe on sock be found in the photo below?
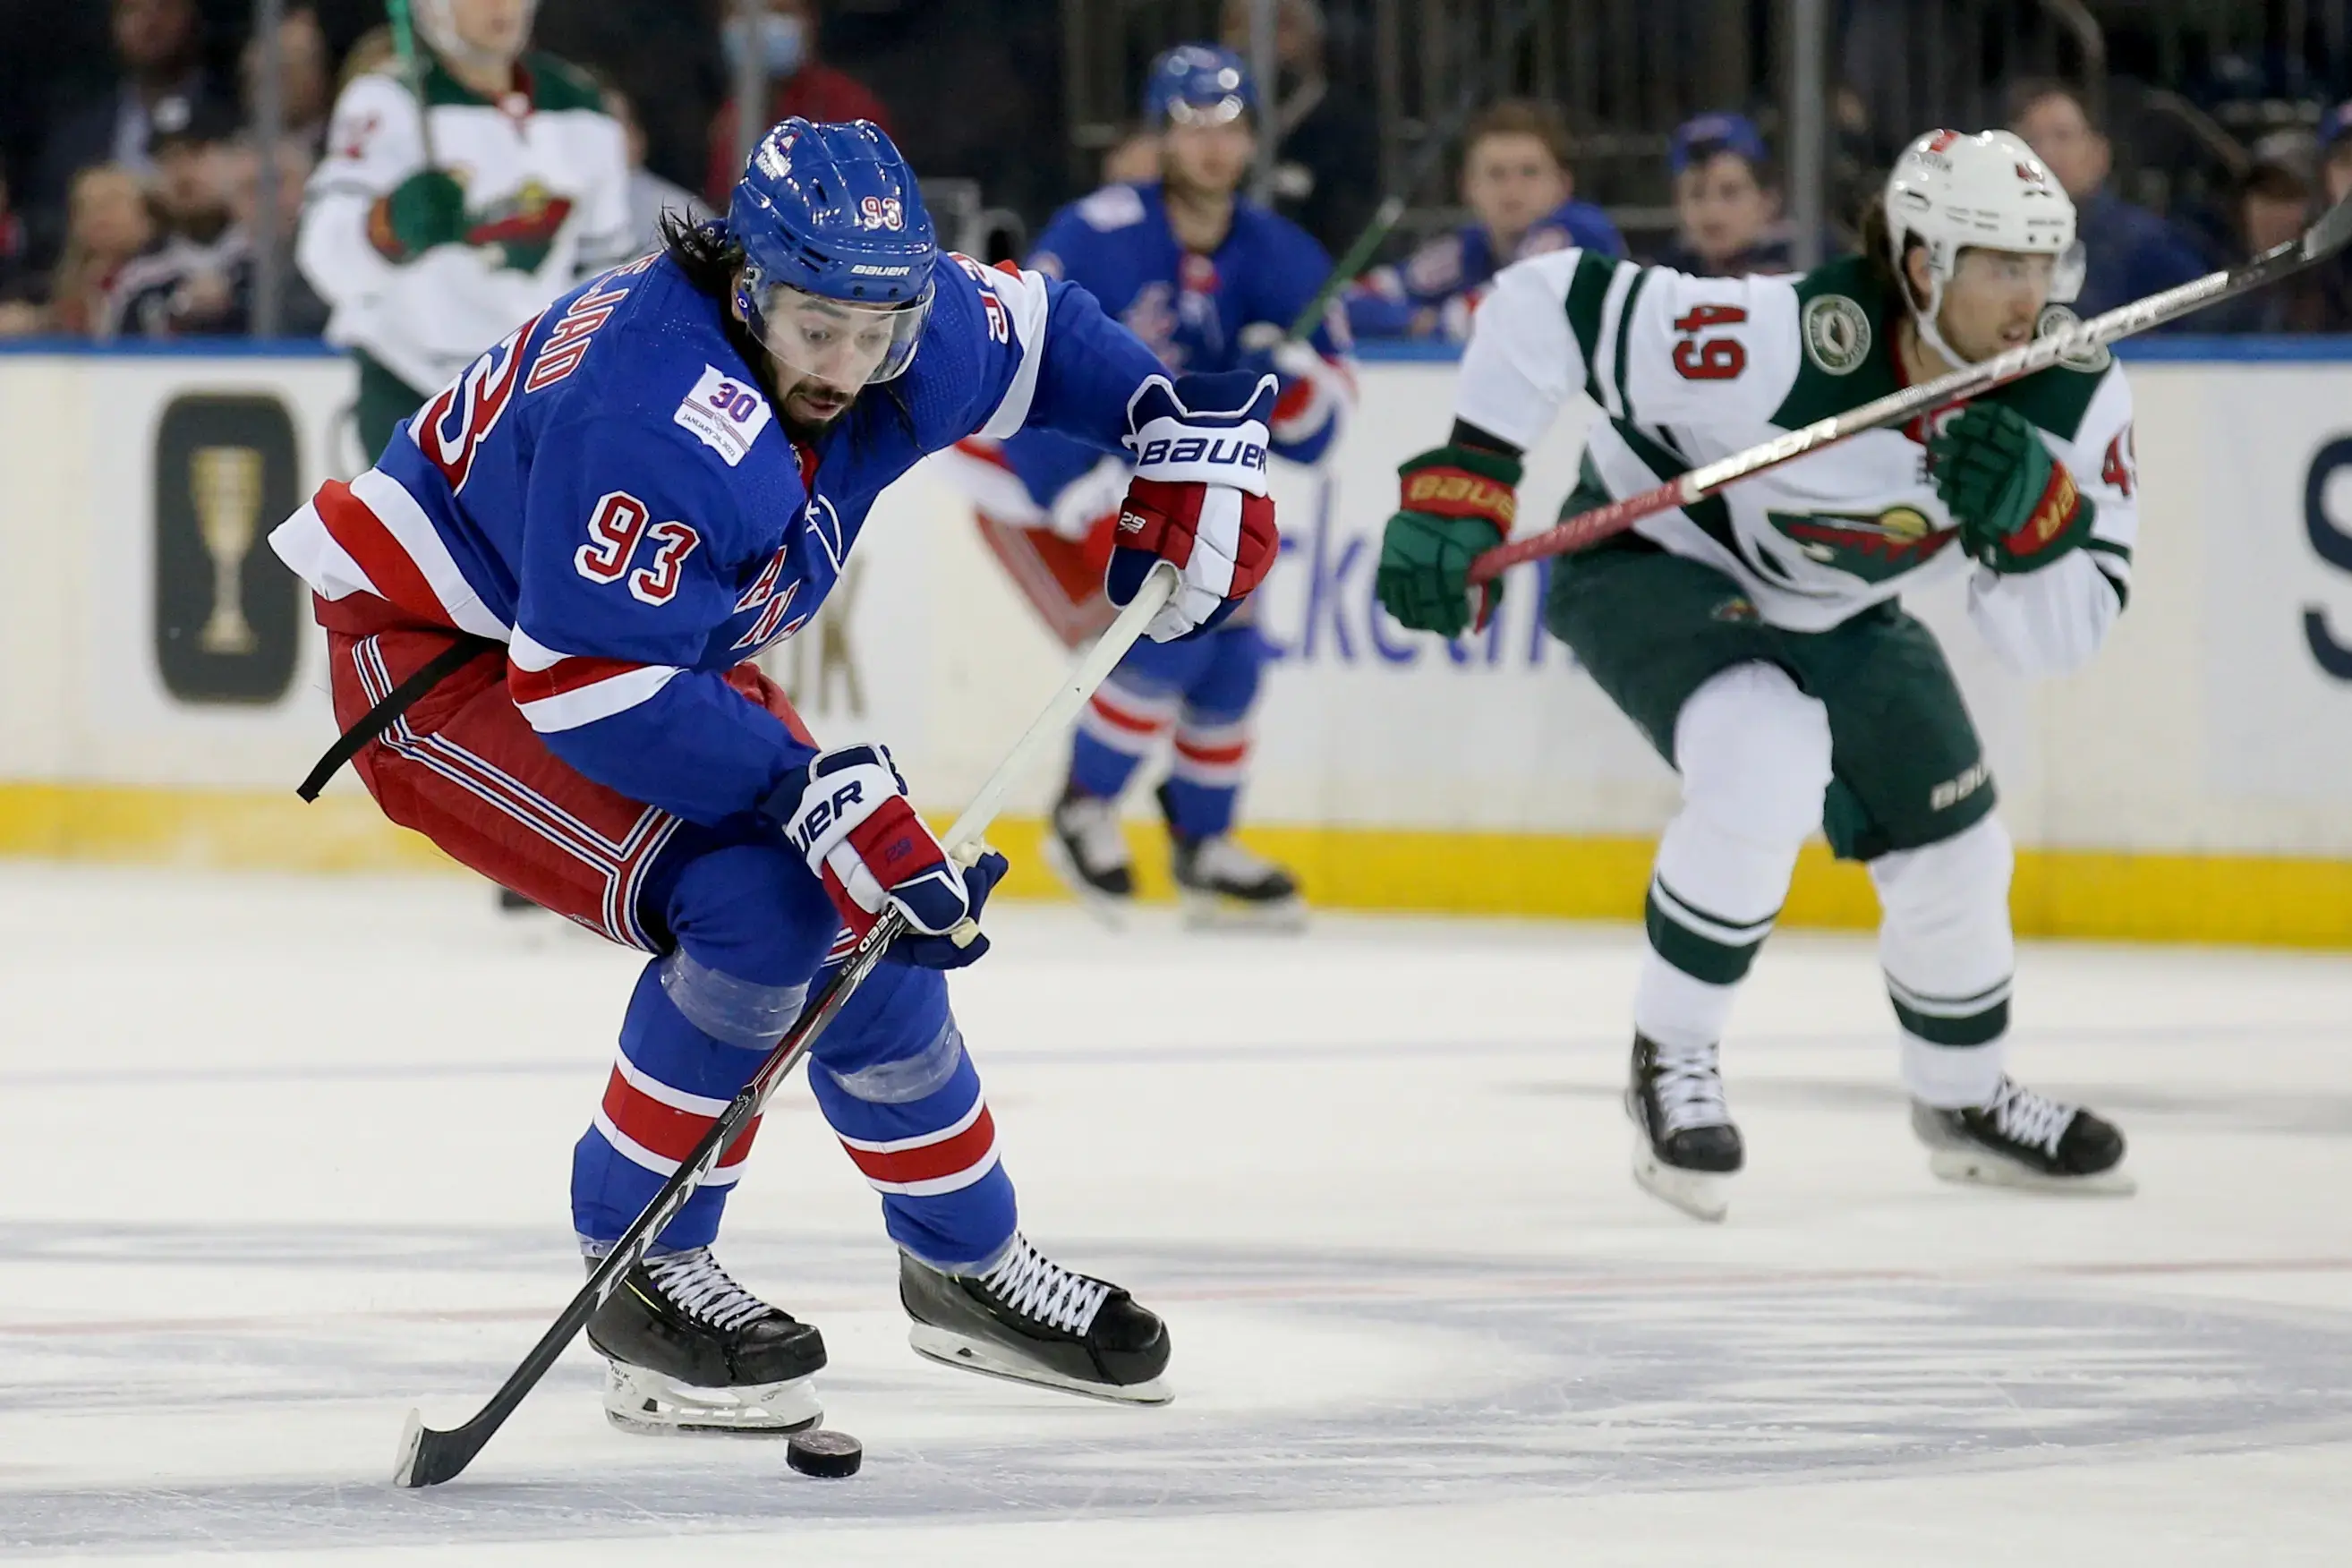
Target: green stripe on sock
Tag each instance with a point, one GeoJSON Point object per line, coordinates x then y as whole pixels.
{"type": "Point", "coordinates": [1700, 957]}
{"type": "Point", "coordinates": [1975, 1029]}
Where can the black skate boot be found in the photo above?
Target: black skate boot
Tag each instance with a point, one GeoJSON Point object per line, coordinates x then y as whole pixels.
{"type": "Point", "coordinates": [1222, 883]}
{"type": "Point", "coordinates": [691, 1350]}
{"type": "Point", "coordinates": [1688, 1150]}
{"type": "Point", "coordinates": [1087, 850]}
{"type": "Point", "coordinates": [1032, 1321]}
{"type": "Point", "coordinates": [2024, 1140]}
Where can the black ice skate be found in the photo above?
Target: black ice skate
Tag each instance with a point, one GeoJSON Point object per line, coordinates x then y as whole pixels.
{"type": "Point", "coordinates": [1087, 850]}
{"type": "Point", "coordinates": [1030, 1319]}
{"type": "Point", "coordinates": [1688, 1149]}
{"type": "Point", "coordinates": [1221, 882]}
{"type": "Point", "coordinates": [691, 1350]}
{"type": "Point", "coordinates": [2024, 1140]}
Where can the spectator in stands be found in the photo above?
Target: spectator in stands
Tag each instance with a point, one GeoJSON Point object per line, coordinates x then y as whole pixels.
{"type": "Point", "coordinates": [180, 283]}
{"type": "Point", "coordinates": [1727, 200]}
{"type": "Point", "coordinates": [1518, 182]}
{"type": "Point", "coordinates": [158, 45]}
{"type": "Point", "coordinates": [193, 289]}
{"type": "Point", "coordinates": [2128, 251]}
{"type": "Point", "coordinates": [108, 223]}
{"type": "Point", "coordinates": [784, 43]}
{"type": "Point", "coordinates": [306, 79]}
{"type": "Point", "coordinates": [19, 279]}
{"type": "Point", "coordinates": [650, 195]}
{"type": "Point", "coordinates": [1326, 176]}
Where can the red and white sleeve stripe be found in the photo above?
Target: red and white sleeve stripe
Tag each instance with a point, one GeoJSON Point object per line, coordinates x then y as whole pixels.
{"type": "Point", "coordinates": [1025, 298]}
{"type": "Point", "coordinates": [559, 691]}
{"type": "Point", "coordinates": [371, 537]}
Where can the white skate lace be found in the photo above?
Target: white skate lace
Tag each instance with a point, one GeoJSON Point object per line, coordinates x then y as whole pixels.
{"type": "Point", "coordinates": [1035, 1285]}
{"type": "Point", "coordinates": [1689, 1087]}
{"type": "Point", "coordinates": [2024, 1117]}
{"type": "Point", "coordinates": [695, 1284]}
{"type": "Point", "coordinates": [1091, 826]}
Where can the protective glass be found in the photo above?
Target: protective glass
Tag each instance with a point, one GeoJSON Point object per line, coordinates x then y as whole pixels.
{"type": "Point", "coordinates": [838, 342]}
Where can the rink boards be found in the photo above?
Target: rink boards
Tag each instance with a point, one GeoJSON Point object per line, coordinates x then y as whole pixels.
{"type": "Point", "coordinates": [162, 690]}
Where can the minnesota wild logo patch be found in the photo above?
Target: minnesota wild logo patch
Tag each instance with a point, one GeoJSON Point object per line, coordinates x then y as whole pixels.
{"type": "Point", "coordinates": [2056, 318]}
{"type": "Point", "coordinates": [1837, 333]}
{"type": "Point", "coordinates": [1872, 546]}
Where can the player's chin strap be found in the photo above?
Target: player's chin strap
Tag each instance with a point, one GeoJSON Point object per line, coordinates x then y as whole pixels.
{"type": "Point", "coordinates": [397, 702]}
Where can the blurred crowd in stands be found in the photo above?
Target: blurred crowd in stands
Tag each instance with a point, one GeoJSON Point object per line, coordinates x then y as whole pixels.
{"type": "Point", "coordinates": [129, 181]}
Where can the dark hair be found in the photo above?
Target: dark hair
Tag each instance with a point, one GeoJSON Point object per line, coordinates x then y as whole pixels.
{"type": "Point", "coordinates": [2024, 95]}
{"type": "Point", "coordinates": [1876, 234]}
{"type": "Point", "coordinates": [704, 252]}
{"type": "Point", "coordinates": [1521, 117]}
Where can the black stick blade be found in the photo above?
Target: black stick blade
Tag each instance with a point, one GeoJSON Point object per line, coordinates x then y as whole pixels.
{"type": "Point", "coordinates": [428, 1457]}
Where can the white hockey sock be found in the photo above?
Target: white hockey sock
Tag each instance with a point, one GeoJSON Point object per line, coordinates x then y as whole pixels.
{"type": "Point", "coordinates": [1754, 754]}
{"type": "Point", "coordinates": [1945, 942]}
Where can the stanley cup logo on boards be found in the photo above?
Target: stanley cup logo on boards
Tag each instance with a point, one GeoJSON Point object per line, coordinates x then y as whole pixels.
{"type": "Point", "coordinates": [226, 484]}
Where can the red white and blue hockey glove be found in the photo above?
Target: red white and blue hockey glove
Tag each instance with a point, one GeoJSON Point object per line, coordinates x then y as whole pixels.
{"type": "Point", "coordinates": [1198, 500]}
{"type": "Point", "coordinates": [846, 811]}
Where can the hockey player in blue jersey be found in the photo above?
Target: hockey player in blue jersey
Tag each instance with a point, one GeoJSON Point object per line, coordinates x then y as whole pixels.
{"type": "Point", "coordinates": [1210, 281]}
{"type": "Point", "coordinates": [541, 605]}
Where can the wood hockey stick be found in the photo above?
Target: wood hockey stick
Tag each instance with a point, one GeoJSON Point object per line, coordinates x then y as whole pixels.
{"type": "Point", "coordinates": [428, 1456]}
{"type": "Point", "coordinates": [2322, 240]}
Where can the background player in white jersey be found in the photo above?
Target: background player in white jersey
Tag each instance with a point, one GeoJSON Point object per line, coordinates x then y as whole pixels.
{"type": "Point", "coordinates": [433, 230]}
{"type": "Point", "coordinates": [1210, 281]}
{"type": "Point", "coordinates": [1756, 636]}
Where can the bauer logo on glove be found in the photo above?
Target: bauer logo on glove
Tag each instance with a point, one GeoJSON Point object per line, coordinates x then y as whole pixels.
{"type": "Point", "coordinates": [1198, 500]}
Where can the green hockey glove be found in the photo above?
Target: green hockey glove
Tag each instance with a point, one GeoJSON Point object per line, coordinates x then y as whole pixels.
{"type": "Point", "coordinates": [1454, 504]}
{"type": "Point", "coordinates": [2017, 506]}
{"type": "Point", "coordinates": [426, 209]}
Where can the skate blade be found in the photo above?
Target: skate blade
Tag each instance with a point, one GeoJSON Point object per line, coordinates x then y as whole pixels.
{"type": "Point", "coordinates": [647, 1403]}
{"type": "Point", "coordinates": [1702, 1195]}
{"type": "Point", "coordinates": [1108, 910]}
{"type": "Point", "coordinates": [1983, 1168]}
{"type": "Point", "coordinates": [1213, 911]}
{"type": "Point", "coordinates": [950, 1349]}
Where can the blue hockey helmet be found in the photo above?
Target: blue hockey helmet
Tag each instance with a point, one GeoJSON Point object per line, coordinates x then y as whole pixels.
{"type": "Point", "coordinates": [838, 250]}
{"type": "Point", "coordinates": [1198, 84]}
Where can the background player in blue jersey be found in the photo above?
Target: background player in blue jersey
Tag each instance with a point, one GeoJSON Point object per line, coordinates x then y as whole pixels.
{"type": "Point", "coordinates": [1519, 185]}
{"type": "Point", "coordinates": [624, 502]}
{"type": "Point", "coordinates": [1211, 282]}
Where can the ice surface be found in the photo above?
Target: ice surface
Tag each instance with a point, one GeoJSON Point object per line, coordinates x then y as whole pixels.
{"type": "Point", "coordinates": [280, 1158]}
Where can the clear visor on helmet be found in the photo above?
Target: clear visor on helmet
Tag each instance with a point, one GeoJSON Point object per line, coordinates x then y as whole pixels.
{"type": "Point", "coordinates": [841, 342]}
{"type": "Point", "coordinates": [2066, 278]}
{"type": "Point", "coordinates": [1216, 111]}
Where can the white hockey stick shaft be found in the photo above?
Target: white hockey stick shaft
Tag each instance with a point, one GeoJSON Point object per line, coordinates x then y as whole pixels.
{"type": "Point", "coordinates": [1077, 689]}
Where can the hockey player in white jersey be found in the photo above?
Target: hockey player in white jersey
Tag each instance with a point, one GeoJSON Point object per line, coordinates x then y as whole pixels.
{"type": "Point", "coordinates": [434, 229]}
{"type": "Point", "coordinates": [1757, 637]}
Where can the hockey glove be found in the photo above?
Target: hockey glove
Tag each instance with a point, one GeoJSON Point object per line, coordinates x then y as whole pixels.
{"type": "Point", "coordinates": [1198, 500]}
{"type": "Point", "coordinates": [846, 812]}
{"type": "Point", "coordinates": [426, 209]}
{"type": "Point", "coordinates": [1454, 504]}
{"type": "Point", "coordinates": [2017, 506]}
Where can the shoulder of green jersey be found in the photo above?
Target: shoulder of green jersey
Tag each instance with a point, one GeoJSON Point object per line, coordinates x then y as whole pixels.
{"type": "Point", "coordinates": [558, 85]}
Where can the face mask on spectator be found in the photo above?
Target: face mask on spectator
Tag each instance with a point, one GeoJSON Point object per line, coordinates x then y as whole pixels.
{"type": "Point", "coordinates": [782, 43]}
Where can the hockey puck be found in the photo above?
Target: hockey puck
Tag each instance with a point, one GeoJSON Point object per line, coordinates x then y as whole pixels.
{"type": "Point", "coordinates": [822, 1451]}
